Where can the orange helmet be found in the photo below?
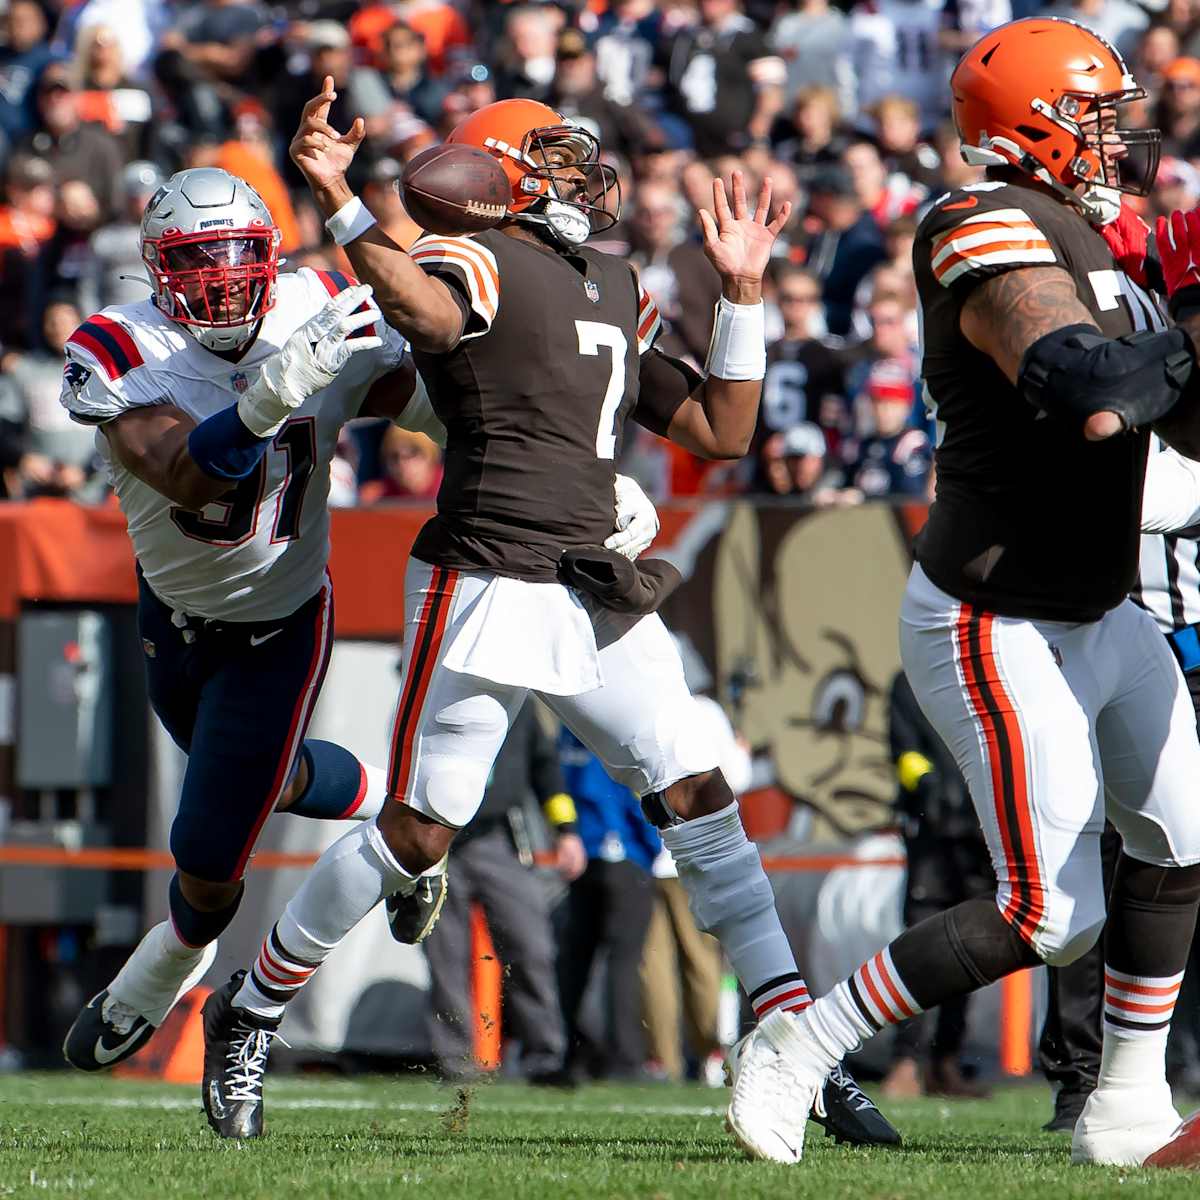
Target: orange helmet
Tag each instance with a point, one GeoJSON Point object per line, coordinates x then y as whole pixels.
{"type": "Point", "coordinates": [558, 180]}
{"type": "Point", "coordinates": [1041, 94]}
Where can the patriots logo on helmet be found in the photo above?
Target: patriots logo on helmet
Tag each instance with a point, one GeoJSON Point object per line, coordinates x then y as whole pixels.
{"type": "Point", "coordinates": [76, 375]}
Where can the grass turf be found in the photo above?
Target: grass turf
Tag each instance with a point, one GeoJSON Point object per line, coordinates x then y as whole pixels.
{"type": "Point", "coordinates": [97, 1136]}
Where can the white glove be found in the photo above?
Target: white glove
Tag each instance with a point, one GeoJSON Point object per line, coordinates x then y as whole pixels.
{"type": "Point", "coordinates": [309, 361]}
{"type": "Point", "coordinates": [637, 519]}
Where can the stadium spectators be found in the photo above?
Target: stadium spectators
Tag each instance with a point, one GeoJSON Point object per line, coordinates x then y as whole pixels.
{"type": "Point", "coordinates": [845, 105]}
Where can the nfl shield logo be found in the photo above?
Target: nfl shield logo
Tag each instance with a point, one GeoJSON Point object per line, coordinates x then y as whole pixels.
{"type": "Point", "coordinates": [593, 292]}
{"type": "Point", "coordinates": [239, 381]}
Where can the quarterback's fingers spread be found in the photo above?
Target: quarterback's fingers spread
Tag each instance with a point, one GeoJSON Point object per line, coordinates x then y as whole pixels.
{"type": "Point", "coordinates": [318, 106]}
{"type": "Point", "coordinates": [740, 210]}
{"type": "Point", "coordinates": [358, 344]}
{"type": "Point", "coordinates": [763, 208]}
{"type": "Point", "coordinates": [781, 218]}
{"type": "Point", "coordinates": [355, 133]}
{"type": "Point", "coordinates": [707, 226]}
{"type": "Point", "coordinates": [720, 203]}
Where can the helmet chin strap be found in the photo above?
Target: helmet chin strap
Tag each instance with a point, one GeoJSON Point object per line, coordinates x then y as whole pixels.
{"type": "Point", "coordinates": [564, 222]}
{"type": "Point", "coordinates": [1101, 205]}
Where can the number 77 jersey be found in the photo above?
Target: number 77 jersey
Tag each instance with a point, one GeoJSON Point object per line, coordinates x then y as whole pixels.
{"type": "Point", "coordinates": [260, 551]}
{"type": "Point", "coordinates": [535, 396]}
{"type": "Point", "coordinates": [1031, 520]}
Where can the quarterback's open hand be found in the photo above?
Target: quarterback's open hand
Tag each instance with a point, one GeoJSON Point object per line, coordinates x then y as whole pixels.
{"type": "Point", "coordinates": [321, 153]}
{"type": "Point", "coordinates": [637, 519]}
{"type": "Point", "coordinates": [310, 360]}
{"type": "Point", "coordinates": [737, 242]}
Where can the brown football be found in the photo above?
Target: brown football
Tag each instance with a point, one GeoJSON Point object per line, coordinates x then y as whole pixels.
{"type": "Point", "coordinates": [451, 189]}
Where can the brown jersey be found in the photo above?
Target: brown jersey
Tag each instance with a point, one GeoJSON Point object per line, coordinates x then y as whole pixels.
{"type": "Point", "coordinates": [1031, 519]}
{"type": "Point", "coordinates": [534, 398]}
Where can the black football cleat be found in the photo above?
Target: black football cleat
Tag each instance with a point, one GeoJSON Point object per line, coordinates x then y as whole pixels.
{"type": "Point", "coordinates": [850, 1114]}
{"type": "Point", "coordinates": [1068, 1104]}
{"type": "Point", "coordinates": [412, 918]}
{"type": "Point", "coordinates": [236, 1046]}
{"type": "Point", "coordinates": [105, 1033]}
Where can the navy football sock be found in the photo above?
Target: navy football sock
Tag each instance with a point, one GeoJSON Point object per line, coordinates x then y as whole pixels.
{"type": "Point", "coordinates": [339, 786]}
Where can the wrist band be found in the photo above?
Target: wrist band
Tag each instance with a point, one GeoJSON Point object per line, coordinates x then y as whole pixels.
{"type": "Point", "coordinates": [738, 350]}
{"type": "Point", "coordinates": [350, 221]}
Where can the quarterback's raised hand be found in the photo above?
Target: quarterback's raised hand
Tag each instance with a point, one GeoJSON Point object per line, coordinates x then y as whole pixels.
{"type": "Point", "coordinates": [321, 153]}
{"type": "Point", "coordinates": [310, 360]}
{"type": "Point", "coordinates": [737, 242]}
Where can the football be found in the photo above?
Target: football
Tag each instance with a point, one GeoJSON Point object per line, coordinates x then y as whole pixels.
{"type": "Point", "coordinates": [452, 189]}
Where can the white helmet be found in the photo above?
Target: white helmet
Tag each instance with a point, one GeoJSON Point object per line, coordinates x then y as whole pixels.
{"type": "Point", "coordinates": [211, 249]}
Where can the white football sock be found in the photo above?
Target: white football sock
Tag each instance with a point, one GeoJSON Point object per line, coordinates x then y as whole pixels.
{"type": "Point", "coordinates": [153, 976]}
{"type": "Point", "coordinates": [1132, 1060]}
{"type": "Point", "coordinates": [373, 798]}
{"type": "Point", "coordinates": [730, 895]}
{"type": "Point", "coordinates": [346, 882]}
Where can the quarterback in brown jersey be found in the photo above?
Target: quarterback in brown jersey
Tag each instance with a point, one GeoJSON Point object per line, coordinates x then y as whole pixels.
{"type": "Point", "coordinates": [536, 350]}
{"type": "Point", "coordinates": [1046, 365]}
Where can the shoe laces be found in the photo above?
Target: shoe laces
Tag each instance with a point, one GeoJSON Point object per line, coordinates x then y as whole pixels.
{"type": "Point", "coordinates": [119, 1015]}
{"type": "Point", "coordinates": [846, 1084]}
{"type": "Point", "coordinates": [248, 1050]}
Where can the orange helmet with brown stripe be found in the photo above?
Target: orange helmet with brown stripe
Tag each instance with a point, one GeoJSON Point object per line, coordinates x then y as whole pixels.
{"type": "Point", "coordinates": [1041, 94]}
{"type": "Point", "coordinates": [558, 181]}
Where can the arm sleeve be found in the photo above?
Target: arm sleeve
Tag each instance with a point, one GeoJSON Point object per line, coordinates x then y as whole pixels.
{"type": "Point", "coordinates": [664, 383]}
{"type": "Point", "coordinates": [1171, 495]}
{"type": "Point", "coordinates": [972, 236]}
{"type": "Point", "coordinates": [469, 268]}
{"type": "Point", "coordinates": [105, 374]}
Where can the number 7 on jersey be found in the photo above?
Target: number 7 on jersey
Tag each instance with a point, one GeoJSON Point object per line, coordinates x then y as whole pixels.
{"type": "Point", "coordinates": [594, 336]}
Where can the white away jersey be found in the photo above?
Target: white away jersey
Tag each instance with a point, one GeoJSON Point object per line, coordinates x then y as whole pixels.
{"type": "Point", "coordinates": [260, 551]}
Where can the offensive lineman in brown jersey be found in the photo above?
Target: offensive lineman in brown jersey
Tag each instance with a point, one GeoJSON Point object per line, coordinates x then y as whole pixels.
{"type": "Point", "coordinates": [536, 349]}
{"type": "Point", "coordinates": [1046, 366]}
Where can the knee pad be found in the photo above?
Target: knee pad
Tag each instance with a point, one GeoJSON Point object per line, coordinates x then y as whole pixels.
{"type": "Point", "coordinates": [1071, 927]}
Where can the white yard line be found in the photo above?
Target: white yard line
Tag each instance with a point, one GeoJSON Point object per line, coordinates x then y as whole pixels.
{"type": "Point", "coordinates": [355, 1104]}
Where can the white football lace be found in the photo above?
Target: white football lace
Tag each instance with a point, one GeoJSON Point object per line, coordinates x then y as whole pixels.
{"type": "Point", "coordinates": [841, 1079]}
{"type": "Point", "coordinates": [120, 1016]}
{"type": "Point", "coordinates": [249, 1062]}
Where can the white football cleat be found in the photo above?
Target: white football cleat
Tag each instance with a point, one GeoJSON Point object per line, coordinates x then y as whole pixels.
{"type": "Point", "coordinates": [1124, 1126]}
{"type": "Point", "coordinates": [777, 1077]}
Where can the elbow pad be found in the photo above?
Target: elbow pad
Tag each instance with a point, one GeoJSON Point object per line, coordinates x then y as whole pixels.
{"type": "Point", "coordinates": [1076, 372]}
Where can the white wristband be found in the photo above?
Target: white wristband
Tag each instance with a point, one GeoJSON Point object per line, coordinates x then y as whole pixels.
{"type": "Point", "coordinates": [738, 350]}
{"type": "Point", "coordinates": [350, 221]}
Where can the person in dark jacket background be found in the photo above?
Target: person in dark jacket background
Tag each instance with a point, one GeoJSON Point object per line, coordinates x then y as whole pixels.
{"type": "Point", "coordinates": [490, 862]}
{"type": "Point", "coordinates": [608, 907]}
{"type": "Point", "coordinates": [947, 863]}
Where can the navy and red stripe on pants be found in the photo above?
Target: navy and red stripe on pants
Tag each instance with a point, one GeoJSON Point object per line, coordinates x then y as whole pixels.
{"type": "Point", "coordinates": [237, 699]}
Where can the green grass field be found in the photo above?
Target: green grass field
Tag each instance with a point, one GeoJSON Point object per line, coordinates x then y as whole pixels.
{"type": "Point", "coordinates": [65, 1134]}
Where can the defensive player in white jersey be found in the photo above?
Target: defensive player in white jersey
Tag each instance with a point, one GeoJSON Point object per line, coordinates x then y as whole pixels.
{"type": "Point", "coordinates": [218, 401]}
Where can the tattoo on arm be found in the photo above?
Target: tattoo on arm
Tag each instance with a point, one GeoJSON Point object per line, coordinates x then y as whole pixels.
{"type": "Point", "coordinates": [1005, 315]}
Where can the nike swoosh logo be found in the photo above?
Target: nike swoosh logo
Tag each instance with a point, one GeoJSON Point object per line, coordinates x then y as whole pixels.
{"type": "Point", "coordinates": [969, 202]}
{"type": "Point", "coordinates": [266, 637]}
{"type": "Point", "coordinates": [106, 1056]}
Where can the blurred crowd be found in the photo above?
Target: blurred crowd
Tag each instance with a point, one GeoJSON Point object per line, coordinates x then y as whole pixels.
{"type": "Point", "coordinates": [844, 105]}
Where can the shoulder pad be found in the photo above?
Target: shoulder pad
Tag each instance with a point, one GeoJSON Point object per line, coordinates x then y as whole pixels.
{"type": "Point", "coordinates": [105, 372]}
{"type": "Point", "coordinates": [472, 266]}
